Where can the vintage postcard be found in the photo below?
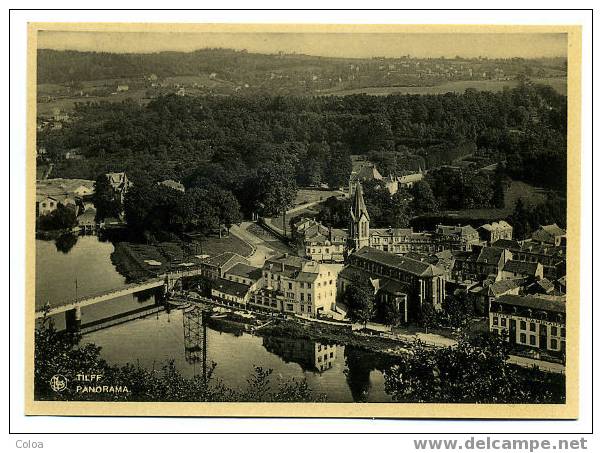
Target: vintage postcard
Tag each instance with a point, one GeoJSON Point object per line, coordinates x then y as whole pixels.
{"type": "Point", "coordinates": [303, 220]}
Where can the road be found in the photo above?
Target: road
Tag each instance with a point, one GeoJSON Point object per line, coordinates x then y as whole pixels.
{"type": "Point", "coordinates": [543, 365]}
{"type": "Point", "coordinates": [261, 249]}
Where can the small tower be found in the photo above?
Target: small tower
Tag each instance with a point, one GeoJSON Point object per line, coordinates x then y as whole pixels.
{"type": "Point", "coordinates": [359, 230]}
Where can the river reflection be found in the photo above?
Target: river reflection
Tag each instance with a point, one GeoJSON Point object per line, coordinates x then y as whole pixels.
{"type": "Point", "coordinates": [343, 374]}
{"type": "Point", "coordinates": [71, 267]}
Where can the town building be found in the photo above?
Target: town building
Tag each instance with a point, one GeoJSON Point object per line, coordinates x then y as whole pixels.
{"type": "Point", "coordinates": [480, 263]}
{"type": "Point", "coordinates": [230, 292]}
{"type": "Point", "coordinates": [295, 285]}
{"type": "Point", "coordinates": [365, 171]}
{"type": "Point", "coordinates": [486, 293]}
{"type": "Point", "coordinates": [522, 269]}
{"type": "Point", "coordinates": [533, 321]}
{"type": "Point", "coordinates": [245, 274]}
{"type": "Point", "coordinates": [411, 282]}
{"type": "Point", "coordinates": [461, 238]}
{"type": "Point", "coordinates": [551, 257]}
{"type": "Point", "coordinates": [45, 204]}
{"type": "Point", "coordinates": [494, 231]}
{"type": "Point", "coordinates": [216, 266]}
{"type": "Point", "coordinates": [550, 234]}
{"type": "Point", "coordinates": [319, 243]}
{"type": "Point", "coordinates": [120, 184]}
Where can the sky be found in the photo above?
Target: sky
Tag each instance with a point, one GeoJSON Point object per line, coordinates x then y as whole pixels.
{"type": "Point", "coordinates": [351, 45]}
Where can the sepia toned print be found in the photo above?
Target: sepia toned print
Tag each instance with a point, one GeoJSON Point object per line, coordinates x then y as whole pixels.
{"type": "Point", "coordinates": [312, 217]}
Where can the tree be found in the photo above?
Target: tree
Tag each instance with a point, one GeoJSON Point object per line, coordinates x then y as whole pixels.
{"type": "Point", "coordinates": [423, 200]}
{"type": "Point", "coordinates": [474, 371]}
{"type": "Point", "coordinates": [105, 202]}
{"type": "Point", "coordinates": [338, 168]}
{"type": "Point", "coordinates": [62, 218]}
{"type": "Point", "coordinates": [388, 312]}
{"type": "Point", "coordinates": [276, 189]}
{"type": "Point", "coordinates": [427, 316]}
{"type": "Point", "coordinates": [520, 220]}
{"type": "Point", "coordinates": [359, 299]}
{"type": "Point", "coordinates": [458, 309]}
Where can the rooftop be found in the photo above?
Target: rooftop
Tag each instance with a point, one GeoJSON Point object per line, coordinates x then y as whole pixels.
{"type": "Point", "coordinates": [402, 263]}
{"type": "Point", "coordinates": [230, 287]}
{"type": "Point", "coordinates": [521, 267]}
{"type": "Point", "coordinates": [537, 302]}
{"type": "Point", "coordinates": [246, 271]}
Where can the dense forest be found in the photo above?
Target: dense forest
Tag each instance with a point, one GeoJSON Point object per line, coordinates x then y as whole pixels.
{"type": "Point", "coordinates": [260, 148]}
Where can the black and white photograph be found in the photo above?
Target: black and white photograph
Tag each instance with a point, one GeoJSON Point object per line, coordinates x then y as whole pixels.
{"type": "Point", "coordinates": [287, 214]}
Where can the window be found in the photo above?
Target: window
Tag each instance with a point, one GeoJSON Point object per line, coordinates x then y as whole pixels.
{"type": "Point", "coordinates": [331, 355]}
{"type": "Point", "coordinates": [523, 338]}
{"type": "Point", "coordinates": [554, 331]}
{"type": "Point", "coordinates": [309, 286]}
{"type": "Point", "coordinates": [302, 297]}
{"type": "Point", "coordinates": [302, 285]}
{"type": "Point", "coordinates": [290, 285]}
{"type": "Point", "coordinates": [532, 340]}
{"type": "Point", "coordinates": [523, 325]}
{"type": "Point", "coordinates": [309, 297]}
{"type": "Point", "coordinates": [554, 344]}
{"type": "Point", "coordinates": [495, 321]}
{"type": "Point", "coordinates": [532, 327]}
{"type": "Point", "coordinates": [563, 332]}
{"type": "Point", "coordinates": [503, 321]}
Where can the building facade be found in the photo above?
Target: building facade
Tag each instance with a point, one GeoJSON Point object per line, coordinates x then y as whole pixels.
{"type": "Point", "coordinates": [414, 281]}
{"type": "Point", "coordinates": [533, 321]}
{"type": "Point", "coordinates": [295, 285]}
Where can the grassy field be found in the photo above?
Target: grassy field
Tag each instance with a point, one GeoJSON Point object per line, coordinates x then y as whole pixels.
{"type": "Point", "coordinates": [313, 195]}
{"type": "Point", "coordinates": [143, 261]}
{"type": "Point", "coordinates": [459, 86]}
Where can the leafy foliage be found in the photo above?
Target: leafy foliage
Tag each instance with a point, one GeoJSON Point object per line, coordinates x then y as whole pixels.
{"type": "Point", "coordinates": [359, 299]}
{"type": "Point", "coordinates": [474, 371]}
{"type": "Point", "coordinates": [62, 218]}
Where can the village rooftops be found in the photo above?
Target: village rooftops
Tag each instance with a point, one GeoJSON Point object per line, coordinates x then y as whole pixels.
{"type": "Point", "coordinates": [229, 287]}
{"type": "Point", "coordinates": [508, 244]}
{"type": "Point", "coordinates": [397, 232]}
{"type": "Point", "coordinates": [501, 225]}
{"type": "Point", "coordinates": [521, 267]}
{"type": "Point", "coordinates": [246, 271]}
{"type": "Point", "coordinates": [462, 231]}
{"type": "Point", "coordinates": [293, 267]}
{"type": "Point", "coordinates": [556, 304]}
{"type": "Point", "coordinates": [501, 287]}
{"type": "Point", "coordinates": [63, 186]}
{"type": "Point", "coordinates": [403, 263]}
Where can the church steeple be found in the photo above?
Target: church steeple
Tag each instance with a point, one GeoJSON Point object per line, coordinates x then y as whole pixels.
{"type": "Point", "coordinates": [359, 231]}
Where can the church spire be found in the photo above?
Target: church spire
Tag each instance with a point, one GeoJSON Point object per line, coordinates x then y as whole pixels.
{"type": "Point", "coordinates": [359, 231]}
{"type": "Point", "coordinates": [358, 206]}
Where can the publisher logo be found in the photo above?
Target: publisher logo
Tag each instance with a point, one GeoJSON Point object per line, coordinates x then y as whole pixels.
{"type": "Point", "coordinates": [58, 383]}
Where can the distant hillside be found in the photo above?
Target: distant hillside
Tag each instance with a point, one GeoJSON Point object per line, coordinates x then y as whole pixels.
{"type": "Point", "coordinates": [66, 66]}
{"type": "Point", "coordinates": [302, 71]}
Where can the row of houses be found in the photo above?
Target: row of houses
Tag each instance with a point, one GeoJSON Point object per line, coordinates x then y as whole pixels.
{"type": "Point", "coordinates": [286, 283]}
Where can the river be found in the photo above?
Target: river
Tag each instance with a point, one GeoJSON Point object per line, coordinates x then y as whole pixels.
{"type": "Point", "coordinates": [341, 374]}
